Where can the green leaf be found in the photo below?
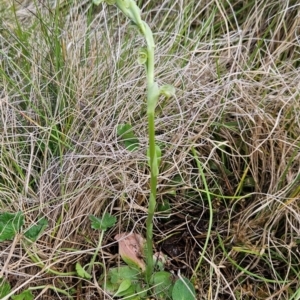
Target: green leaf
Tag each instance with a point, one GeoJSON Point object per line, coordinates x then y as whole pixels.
{"type": "Point", "coordinates": [81, 272]}
{"type": "Point", "coordinates": [103, 223]}
{"type": "Point", "coordinates": [152, 97]}
{"type": "Point", "coordinates": [162, 284]}
{"type": "Point", "coordinates": [10, 224]}
{"type": "Point", "coordinates": [110, 287]}
{"type": "Point", "coordinates": [4, 288]}
{"type": "Point", "coordinates": [141, 292]}
{"type": "Point", "coordinates": [157, 155]}
{"type": "Point", "coordinates": [183, 290]}
{"type": "Point", "coordinates": [126, 133]}
{"type": "Point", "coordinates": [118, 275]}
{"type": "Point", "coordinates": [123, 287]}
{"type": "Point", "coordinates": [156, 160]}
{"type": "Point", "coordinates": [167, 90]}
{"type": "Point", "coordinates": [25, 295]}
{"type": "Point", "coordinates": [164, 206]}
{"type": "Point", "coordinates": [36, 230]}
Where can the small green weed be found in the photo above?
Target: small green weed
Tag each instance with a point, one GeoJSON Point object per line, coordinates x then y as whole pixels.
{"type": "Point", "coordinates": [125, 132]}
{"type": "Point", "coordinates": [11, 227]}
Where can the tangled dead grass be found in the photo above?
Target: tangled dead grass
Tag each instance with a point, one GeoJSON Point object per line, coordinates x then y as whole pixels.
{"type": "Point", "coordinates": [237, 103]}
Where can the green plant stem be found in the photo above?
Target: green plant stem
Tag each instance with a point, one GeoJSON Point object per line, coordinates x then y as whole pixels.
{"type": "Point", "coordinates": [152, 150]}
{"type": "Point", "coordinates": [101, 235]}
{"type": "Point", "coordinates": [152, 199]}
{"type": "Point", "coordinates": [130, 9]}
{"type": "Point", "coordinates": [61, 291]}
{"type": "Point", "coordinates": [35, 258]}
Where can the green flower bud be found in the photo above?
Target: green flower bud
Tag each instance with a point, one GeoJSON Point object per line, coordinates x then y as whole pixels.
{"type": "Point", "coordinates": [143, 56]}
{"type": "Point", "coordinates": [167, 90]}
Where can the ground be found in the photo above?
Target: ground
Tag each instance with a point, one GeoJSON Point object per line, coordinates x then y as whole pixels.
{"type": "Point", "coordinates": [228, 186]}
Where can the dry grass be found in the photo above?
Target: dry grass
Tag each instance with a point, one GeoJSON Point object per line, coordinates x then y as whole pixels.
{"type": "Point", "coordinates": [69, 76]}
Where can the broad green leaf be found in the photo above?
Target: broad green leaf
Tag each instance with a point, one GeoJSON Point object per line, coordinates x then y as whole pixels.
{"type": "Point", "coordinates": [36, 230]}
{"type": "Point", "coordinates": [141, 292]}
{"type": "Point", "coordinates": [127, 293]}
{"type": "Point", "coordinates": [103, 223]}
{"type": "Point", "coordinates": [118, 275]}
{"type": "Point", "coordinates": [25, 295]}
{"type": "Point", "coordinates": [10, 224]}
{"type": "Point", "coordinates": [162, 284]}
{"type": "Point", "coordinates": [126, 133]}
{"type": "Point", "coordinates": [110, 287]}
{"type": "Point", "coordinates": [118, 279]}
{"type": "Point", "coordinates": [81, 272]}
{"type": "Point", "coordinates": [4, 288]}
{"type": "Point", "coordinates": [183, 289]}
{"type": "Point", "coordinates": [124, 287]}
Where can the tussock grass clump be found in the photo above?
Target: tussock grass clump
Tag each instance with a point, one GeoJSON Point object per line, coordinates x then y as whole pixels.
{"type": "Point", "coordinates": [69, 77]}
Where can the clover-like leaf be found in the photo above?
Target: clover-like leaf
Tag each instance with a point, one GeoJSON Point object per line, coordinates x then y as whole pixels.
{"type": "Point", "coordinates": [36, 230]}
{"type": "Point", "coordinates": [25, 295]}
{"type": "Point", "coordinates": [103, 223]}
{"type": "Point", "coordinates": [10, 225]}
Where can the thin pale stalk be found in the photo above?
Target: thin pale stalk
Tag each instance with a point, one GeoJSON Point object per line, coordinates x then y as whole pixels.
{"type": "Point", "coordinates": [101, 235]}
